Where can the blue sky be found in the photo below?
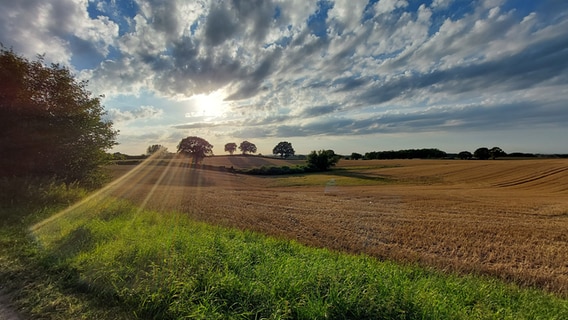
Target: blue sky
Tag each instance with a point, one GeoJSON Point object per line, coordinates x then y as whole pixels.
{"type": "Point", "coordinates": [353, 76]}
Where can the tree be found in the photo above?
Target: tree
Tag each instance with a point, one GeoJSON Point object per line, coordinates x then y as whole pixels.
{"type": "Point", "coordinates": [465, 155]}
{"type": "Point", "coordinates": [231, 147]}
{"type": "Point", "coordinates": [322, 160]}
{"type": "Point", "coordinates": [50, 125]}
{"type": "Point", "coordinates": [356, 156]}
{"type": "Point", "coordinates": [284, 149]}
{"type": "Point", "coordinates": [195, 147]}
{"type": "Point", "coordinates": [482, 153]}
{"type": "Point", "coordinates": [156, 148]}
{"type": "Point", "coordinates": [247, 147]}
{"type": "Point", "coordinates": [496, 152]}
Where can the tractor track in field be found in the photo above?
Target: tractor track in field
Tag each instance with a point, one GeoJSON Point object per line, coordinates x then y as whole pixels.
{"type": "Point", "coordinates": [532, 177]}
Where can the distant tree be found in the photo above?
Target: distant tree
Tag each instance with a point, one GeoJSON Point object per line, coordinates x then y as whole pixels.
{"type": "Point", "coordinates": [406, 154]}
{"type": "Point", "coordinates": [230, 147]}
{"type": "Point", "coordinates": [156, 148]}
{"type": "Point", "coordinates": [496, 152]}
{"type": "Point", "coordinates": [482, 153]}
{"type": "Point", "coordinates": [356, 156]}
{"type": "Point", "coordinates": [195, 147]}
{"type": "Point", "coordinates": [50, 125]}
{"type": "Point", "coordinates": [465, 155]}
{"type": "Point", "coordinates": [247, 147]}
{"type": "Point", "coordinates": [118, 156]}
{"type": "Point", "coordinates": [284, 149]}
{"type": "Point", "coordinates": [322, 160]}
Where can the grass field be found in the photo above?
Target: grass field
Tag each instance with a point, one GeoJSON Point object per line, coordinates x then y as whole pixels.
{"type": "Point", "coordinates": [162, 241]}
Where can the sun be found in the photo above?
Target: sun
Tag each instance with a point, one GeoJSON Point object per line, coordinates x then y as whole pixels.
{"type": "Point", "coordinates": [210, 105]}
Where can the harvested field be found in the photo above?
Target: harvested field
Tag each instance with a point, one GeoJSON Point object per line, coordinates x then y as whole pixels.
{"type": "Point", "coordinates": [503, 218]}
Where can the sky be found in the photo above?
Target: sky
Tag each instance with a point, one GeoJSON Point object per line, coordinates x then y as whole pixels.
{"type": "Point", "coordinates": [352, 76]}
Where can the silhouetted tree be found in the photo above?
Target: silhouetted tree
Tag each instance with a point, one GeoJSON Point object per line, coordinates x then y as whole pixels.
{"type": "Point", "coordinates": [356, 156]}
{"type": "Point", "coordinates": [406, 154]}
{"type": "Point", "coordinates": [496, 152]}
{"type": "Point", "coordinates": [231, 147]}
{"type": "Point", "coordinates": [465, 155]}
{"type": "Point", "coordinates": [284, 149]}
{"type": "Point", "coordinates": [156, 148]}
{"type": "Point", "coordinates": [50, 125]}
{"type": "Point", "coordinates": [196, 147]}
{"type": "Point", "coordinates": [482, 153]}
{"type": "Point", "coordinates": [247, 147]}
{"type": "Point", "coordinates": [322, 160]}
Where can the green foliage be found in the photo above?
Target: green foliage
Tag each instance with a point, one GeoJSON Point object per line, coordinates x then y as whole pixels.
{"type": "Point", "coordinates": [271, 170]}
{"type": "Point", "coordinates": [247, 147]}
{"type": "Point", "coordinates": [356, 156]}
{"type": "Point", "coordinates": [166, 266]}
{"type": "Point", "coordinates": [406, 154]}
{"type": "Point", "coordinates": [465, 155]}
{"type": "Point", "coordinates": [322, 160]}
{"type": "Point", "coordinates": [284, 149]}
{"type": "Point", "coordinates": [196, 147]}
{"type": "Point", "coordinates": [496, 152]}
{"type": "Point", "coordinates": [49, 123]}
{"type": "Point", "coordinates": [231, 147]}
{"type": "Point", "coordinates": [482, 153]}
{"type": "Point", "coordinates": [156, 148]}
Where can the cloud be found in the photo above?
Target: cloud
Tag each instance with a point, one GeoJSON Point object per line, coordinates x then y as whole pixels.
{"type": "Point", "coordinates": [59, 28]}
{"type": "Point", "coordinates": [301, 68]}
{"type": "Point", "coordinates": [140, 113]}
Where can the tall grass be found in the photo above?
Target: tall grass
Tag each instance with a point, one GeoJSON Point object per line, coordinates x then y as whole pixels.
{"type": "Point", "coordinates": [165, 266]}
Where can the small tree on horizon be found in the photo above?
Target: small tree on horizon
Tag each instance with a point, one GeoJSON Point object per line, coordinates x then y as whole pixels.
{"type": "Point", "coordinates": [465, 155]}
{"type": "Point", "coordinates": [482, 153]}
{"type": "Point", "coordinates": [496, 152]}
{"type": "Point", "coordinates": [284, 149]}
{"type": "Point", "coordinates": [322, 160]}
{"type": "Point", "coordinates": [231, 147]}
{"type": "Point", "coordinates": [247, 147]}
{"type": "Point", "coordinates": [356, 156]}
{"type": "Point", "coordinates": [195, 147]}
{"type": "Point", "coordinates": [156, 148]}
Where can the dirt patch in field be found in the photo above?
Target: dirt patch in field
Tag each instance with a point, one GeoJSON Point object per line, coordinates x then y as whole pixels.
{"type": "Point", "coordinates": [501, 218]}
{"type": "Point", "coordinates": [7, 312]}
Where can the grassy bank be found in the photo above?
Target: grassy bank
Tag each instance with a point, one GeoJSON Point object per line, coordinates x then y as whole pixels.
{"type": "Point", "coordinates": [108, 259]}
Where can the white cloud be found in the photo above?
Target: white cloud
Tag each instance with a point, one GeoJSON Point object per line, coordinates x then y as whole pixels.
{"type": "Point", "coordinates": [284, 71]}
{"type": "Point", "coordinates": [139, 113]}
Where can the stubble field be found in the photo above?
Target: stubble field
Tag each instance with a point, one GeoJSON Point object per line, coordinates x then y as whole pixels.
{"type": "Point", "coordinates": [502, 218]}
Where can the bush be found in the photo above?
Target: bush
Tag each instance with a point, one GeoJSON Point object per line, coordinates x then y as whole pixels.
{"type": "Point", "coordinates": [50, 126]}
{"type": "Point", "coordinates": [322, 160]}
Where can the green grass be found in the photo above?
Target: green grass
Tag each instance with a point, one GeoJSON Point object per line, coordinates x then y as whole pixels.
{"type": "Point", "coordinates": [108, 259]}
{"type": "Point", "coordinates": [337, 177]}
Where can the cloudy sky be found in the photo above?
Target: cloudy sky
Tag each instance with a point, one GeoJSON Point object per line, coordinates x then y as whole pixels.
{"type": "Point", "coordinates": [353, 76]}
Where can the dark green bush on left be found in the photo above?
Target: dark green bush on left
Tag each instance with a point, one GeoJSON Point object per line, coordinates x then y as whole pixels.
{"type": "Point", "coordinates": [50, 125]}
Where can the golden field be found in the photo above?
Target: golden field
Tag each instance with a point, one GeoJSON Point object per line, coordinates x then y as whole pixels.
{"type": "Point", "coordinates": [501, 218]}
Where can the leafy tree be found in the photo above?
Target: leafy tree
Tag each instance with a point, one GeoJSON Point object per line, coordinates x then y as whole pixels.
{"type": "Point", "coordinates": [496, 152]}
{"type": "Point", "coordinates": [356, 156]}
{"type": "Point", "coordinates": [247, 147]}
{"type": "Point", "coordinates": [195, 147]}
{"type": "Point", "coordinates": [482, 153]}
{"type": "Point", "coordinates": [50, 125]}
{"type": "Point", "coordinates": [156, 148]}
{"type": "Point", "coordinates": [322, 160]}
{"type": "Point", "coordinates": [465, 155]}
{"type": "Point", "coordinates": [231, 147]}
{"type": "Point", "coordinates": [406, 154]}
{"type": "Point", "coordinates": [284, 149]}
